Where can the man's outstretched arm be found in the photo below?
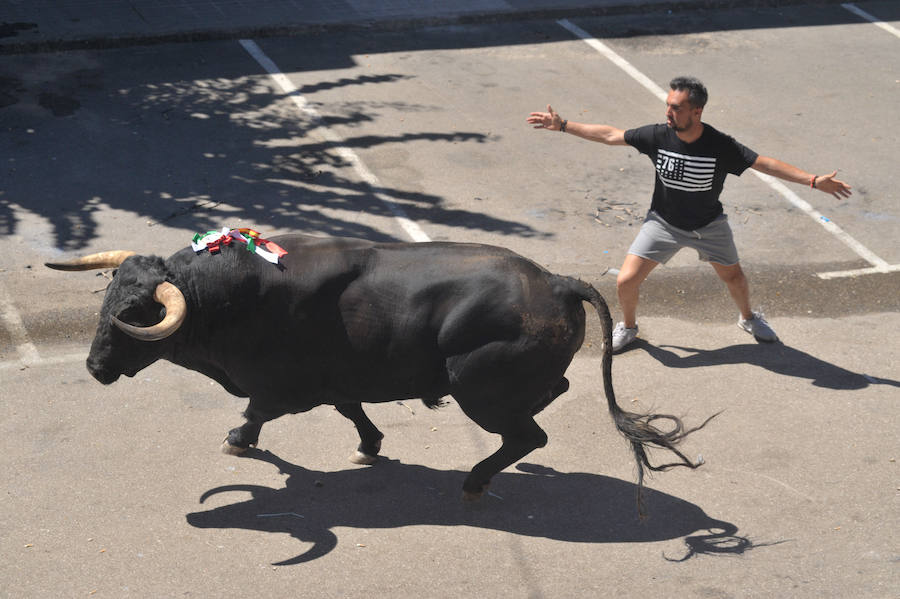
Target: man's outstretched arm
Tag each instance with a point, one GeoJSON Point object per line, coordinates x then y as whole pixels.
{"type": "Point", "coordinates": [788, 172]}
{"type": "Point", "coordinates": [552, 121]}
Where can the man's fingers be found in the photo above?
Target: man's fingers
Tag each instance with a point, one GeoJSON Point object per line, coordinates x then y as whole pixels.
{"type": "Point", "coordinates": [539, 119]}
{"type": "Point", "coordinates": [841, 190]}
{"type": "Point", "coordinates": [542, 120]}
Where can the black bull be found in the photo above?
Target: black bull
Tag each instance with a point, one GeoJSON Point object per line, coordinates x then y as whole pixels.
{"type": "Point", "coordinates": [346, 321]}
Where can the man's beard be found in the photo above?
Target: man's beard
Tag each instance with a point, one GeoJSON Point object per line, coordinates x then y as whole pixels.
{"type": "Point", "coordinates": [678, 129]}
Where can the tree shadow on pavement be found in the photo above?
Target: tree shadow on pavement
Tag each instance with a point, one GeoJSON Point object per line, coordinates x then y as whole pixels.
{"type": "Point", "coordinates": [776, 357]}
{"type": "Point", "coordinates": [201, 143]}
{"type": "Point", "coordinates": [392, 495]}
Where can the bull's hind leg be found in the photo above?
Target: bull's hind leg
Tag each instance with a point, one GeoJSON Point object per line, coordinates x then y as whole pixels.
{"type": "Point", "coordinates": [561, 387]}
{"type": "Point", "coordinates": [521, 436]}
{"type": "Point", "coordinates": [369, 435]}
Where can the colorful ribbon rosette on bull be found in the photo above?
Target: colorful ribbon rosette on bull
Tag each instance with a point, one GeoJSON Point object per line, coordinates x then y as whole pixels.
{"type": "Point", "coordinates": [214, 240]}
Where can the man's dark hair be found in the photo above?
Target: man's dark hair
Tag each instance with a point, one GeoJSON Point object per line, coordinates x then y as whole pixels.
{"type": "Point", "coordinates": [697, 95]}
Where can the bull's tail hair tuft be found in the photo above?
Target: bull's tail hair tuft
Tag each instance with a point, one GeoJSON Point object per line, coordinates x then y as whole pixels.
{"type": "Point", "coordinates": [638, 429]}
{"type": "Point", "coordinates": [641, 433]}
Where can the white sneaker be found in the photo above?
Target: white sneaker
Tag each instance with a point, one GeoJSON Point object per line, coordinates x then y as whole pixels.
{"type": "Point", "coordinates": [622, 336]}
{"type": "Point", "coordinates": [758, 327]}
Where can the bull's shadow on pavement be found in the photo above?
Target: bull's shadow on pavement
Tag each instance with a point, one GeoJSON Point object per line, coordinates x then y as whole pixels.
{"type": "Point", "coordinates": [537, 502]}
{"type": "Point", "coordinates": [776, 357]}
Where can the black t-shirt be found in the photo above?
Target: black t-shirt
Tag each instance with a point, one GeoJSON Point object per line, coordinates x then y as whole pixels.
{"type": "Point", "coordinates": [690, 176]}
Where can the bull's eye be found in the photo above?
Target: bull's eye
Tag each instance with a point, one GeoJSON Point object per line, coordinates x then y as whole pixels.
{"type": "Point", "coordinates": [134, 316]}
{"type": "Point", "coordinates": [123, 316]}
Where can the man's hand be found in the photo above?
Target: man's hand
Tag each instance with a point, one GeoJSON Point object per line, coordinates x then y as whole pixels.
{"type": "Point", "coordinates": [829, 184]}
{"type": "Point", "coordinates": [545, 120]}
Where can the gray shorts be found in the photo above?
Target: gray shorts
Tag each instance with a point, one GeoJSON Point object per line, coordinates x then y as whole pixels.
{"type": "Point", "coordinates": [659, 241]}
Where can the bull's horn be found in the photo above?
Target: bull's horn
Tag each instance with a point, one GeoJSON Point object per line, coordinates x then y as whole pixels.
{"type": "Point", "coordinates": [91, 261]}
{"type": "Point", "coordinates": [169, 296]}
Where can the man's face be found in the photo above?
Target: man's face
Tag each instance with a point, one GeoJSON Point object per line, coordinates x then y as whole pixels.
{"type": "Point", "coordinates": [680, 113]}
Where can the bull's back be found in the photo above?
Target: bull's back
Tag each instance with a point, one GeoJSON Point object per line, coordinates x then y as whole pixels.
{"type": "Point", "coordinates": [438, 295]}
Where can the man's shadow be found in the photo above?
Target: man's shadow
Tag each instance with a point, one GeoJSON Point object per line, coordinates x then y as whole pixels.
{"type": "Point", "coordinates": [776, 357]}
{"type": "Point", "coordinates": [537, 501]}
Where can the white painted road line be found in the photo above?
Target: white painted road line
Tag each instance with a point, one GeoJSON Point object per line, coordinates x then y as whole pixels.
{"type": "Point", "coordinates": [28, 353]}
{"type": "Point", "coordinates": [872, 19]}
{"type": "Point", "coordinates": [74, 358]}
{"type": "Point", "coordinates": [409, 226]}
{"type": "Point", "coordinates": [829, 225]}
{"type": "Point", "coordinates": [874, 270]}
{"type": "Point", "coordinates": [878, 265]}
{"type": "Point", "coordinates": [617, 60]}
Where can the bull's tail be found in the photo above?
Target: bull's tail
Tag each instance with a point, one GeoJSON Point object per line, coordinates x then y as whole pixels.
{"type": "Point", "coordinates": [639, 429]}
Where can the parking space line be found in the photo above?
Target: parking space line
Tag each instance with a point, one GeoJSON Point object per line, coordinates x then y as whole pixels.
{"type": "Point", "coordinates": [409, 226]}
{"type": "Point", "coordinates": [878, 265]}
{"type": "Point", "coordinates": [617, 60]}
{"type": "Point", "coordinates": [28, 353]}
{"type": "Point", "coordinates": [829, 225]}
{"type": "Point", "coordinates": [73, 358]}
{"type": "Point", "coordinates": [871, 18]}
{"type": "Point", "coordinates": [840, 274]}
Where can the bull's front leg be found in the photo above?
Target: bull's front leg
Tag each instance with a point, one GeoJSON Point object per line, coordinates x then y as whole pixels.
{"type": "Point", "coordinates": [247, 435]}
{"type": "Point", "coordinates": [369, 435]}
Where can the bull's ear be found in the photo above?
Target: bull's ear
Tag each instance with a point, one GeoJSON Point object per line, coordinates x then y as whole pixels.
{"type": "Point", "coordinates": [169, 296]}
{"type": "Point", "coordinates": [92, 261]}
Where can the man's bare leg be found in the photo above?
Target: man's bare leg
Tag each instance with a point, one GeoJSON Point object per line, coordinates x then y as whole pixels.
{"type": "Point", "coordinates": [628, 284]}
{"type": "Point", "coordinates": [738, 287]}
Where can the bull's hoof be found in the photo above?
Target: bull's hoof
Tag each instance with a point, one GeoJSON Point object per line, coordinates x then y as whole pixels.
{"type": "Point", "coordinates": [229, 449]}
{"type": "Point", "coordinates": [359, 457]}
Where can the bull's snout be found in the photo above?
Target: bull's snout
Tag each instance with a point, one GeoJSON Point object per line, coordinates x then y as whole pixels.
{"type": "Point", "coordinates": [103, 376]}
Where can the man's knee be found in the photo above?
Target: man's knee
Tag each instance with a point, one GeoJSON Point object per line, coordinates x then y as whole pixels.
{"type": "Point", "coordinates": [628, 280]}
{"type": "Point", "coordinates": [633, 272]}
{"type": "Point", "coordinates": [730, 274]}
